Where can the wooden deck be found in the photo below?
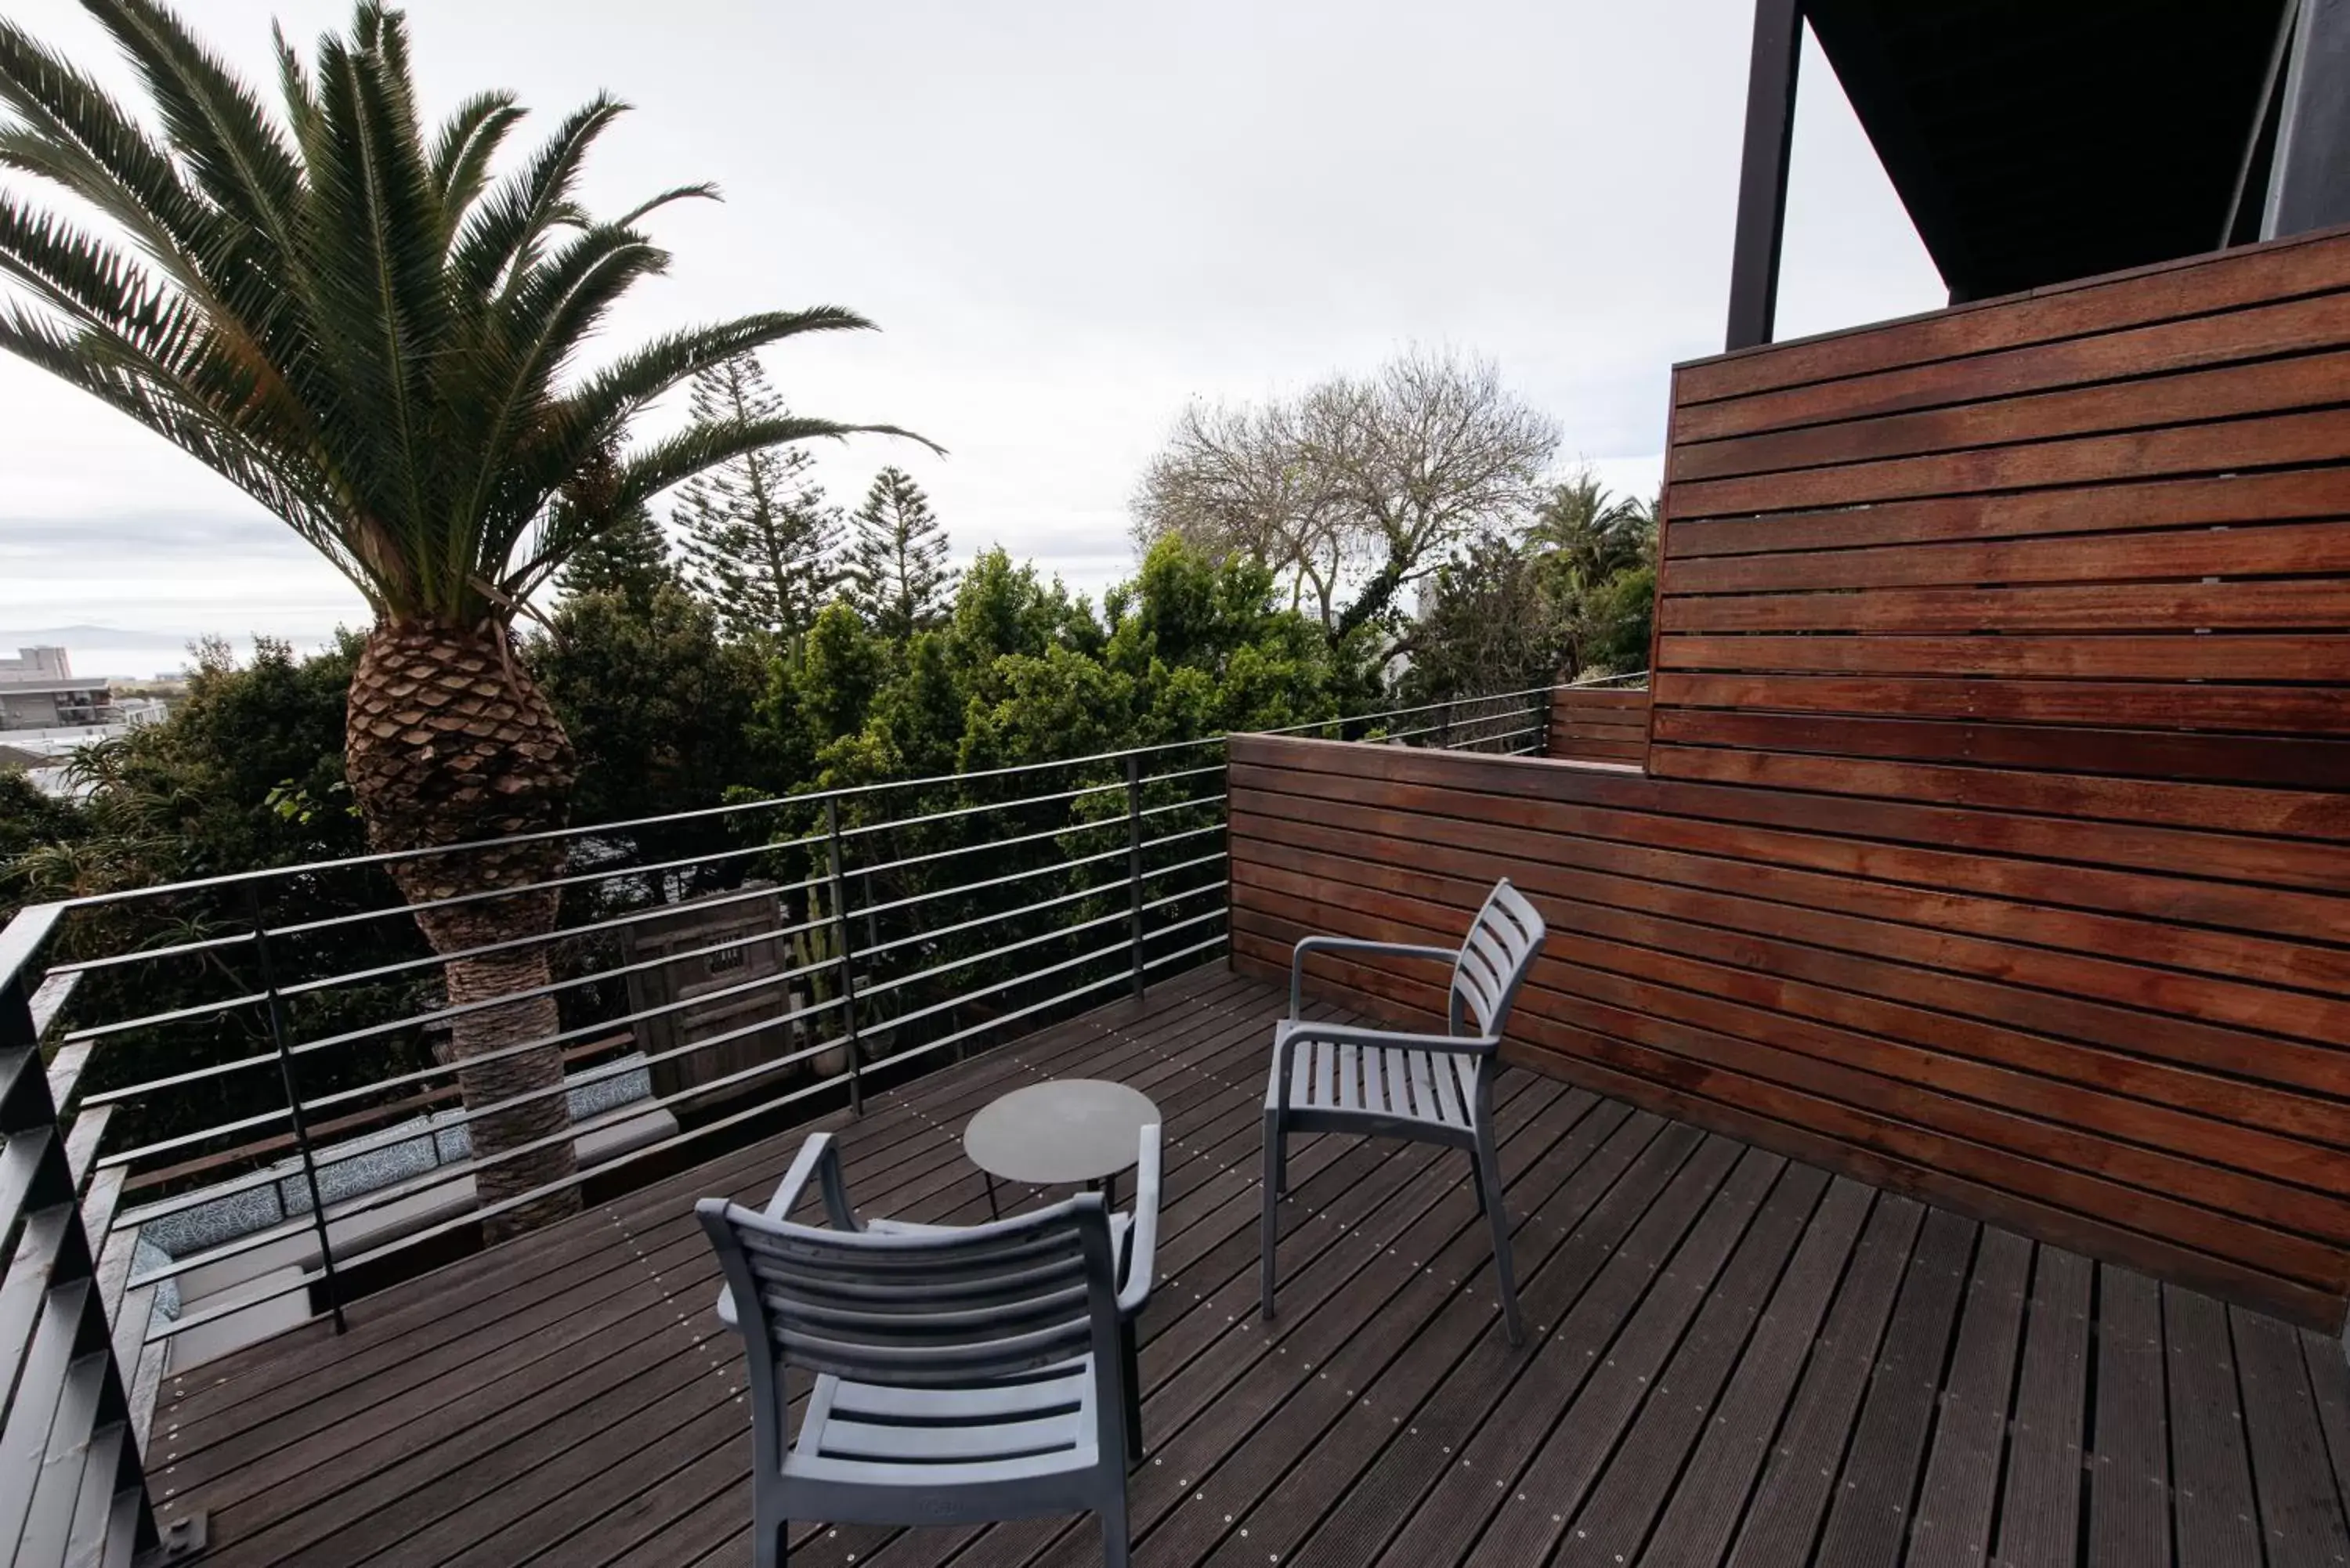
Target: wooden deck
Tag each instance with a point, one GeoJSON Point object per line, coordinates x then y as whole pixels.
{"type": "Point", "coordinates": [1735, 1359]}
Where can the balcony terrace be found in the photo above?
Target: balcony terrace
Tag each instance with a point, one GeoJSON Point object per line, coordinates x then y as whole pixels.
{"type": "Point", "coordinates": [1734, 1358]}
{"type": "Point", "coordinates": [1931, 1142]}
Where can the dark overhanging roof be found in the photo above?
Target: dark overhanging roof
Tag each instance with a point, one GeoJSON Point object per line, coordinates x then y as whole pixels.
{"type": "Point", "coordinates": [2035, 141]}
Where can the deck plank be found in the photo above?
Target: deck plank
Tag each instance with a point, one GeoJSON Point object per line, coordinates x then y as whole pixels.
{"type": "Point", "coordinates": [2218, 1519]}
{"type": "Point", "coordinates": [1734, 1358]}
{"type": "Point", "coordinates": [2299, 1506]}
{"type": "Point", "coordinates": [2040, 1511]}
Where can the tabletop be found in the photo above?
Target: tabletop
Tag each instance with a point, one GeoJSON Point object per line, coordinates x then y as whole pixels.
{"type": "Point", "coordinates": [1059, 1133]}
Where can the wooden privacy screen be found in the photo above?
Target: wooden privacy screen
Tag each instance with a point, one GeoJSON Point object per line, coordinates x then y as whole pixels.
{"type": "Point", "coordinates": [1598, 726]}
{"type": "Point", "coordinates": [1994, 841]}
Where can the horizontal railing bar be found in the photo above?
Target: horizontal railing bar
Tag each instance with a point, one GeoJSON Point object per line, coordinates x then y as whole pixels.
{"type": "Point", "coordinates": [441, 1068]}
{"type": "Point", "coordinates": [922, 974]}
{"type": "Point", "coordinates": [1180, 834]}
{"type": "Point", "coordinates": [185, 1140]}
{"type": "Point", "coordinates": [620, 1065]}
{"type": "Point", "coordinates": [936, 1007]}
{"type": "Point", "coordinates": [1147, 779]}
{"type": "Point", "coordinates": [1216, 799]}
{"type": "Point", "coordinates": [910, 940]}
{"type": "Point", "coordinates": [678, 1139]}
{"type": "Point", "coordinates": [172, 1327]}
{"type": "Point", "coordinates": [953, 813]}
{"type": "Point", "coordinates": [180, 1080]}
{"type": "Point", "coordinates": [392, 1136]}
{"type": "Point", "coordinates": [176, 1016]}
{"type": "Point", "coordinates": [577, 1031]}
{"type": "Point", "coordinates": [386, 857]}
{"type": "Point", "coordinates": [646, 1151]}
{"type": "Point", "coordinates": [928, 857]}
{"type": "Point", "coordinates": [1008, 878]}
{"type": "Point", "coordinates": [560, 934]}
{"type": "Point", "coordinates": [145, 955]}
{"type": "Point", "coordinates": [551, 884]}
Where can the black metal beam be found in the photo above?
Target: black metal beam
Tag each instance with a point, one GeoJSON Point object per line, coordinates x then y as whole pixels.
{"type": "Point", "coordinates": [2311, 186]}
{"type": "Point", "coordinates": [1762, 172]}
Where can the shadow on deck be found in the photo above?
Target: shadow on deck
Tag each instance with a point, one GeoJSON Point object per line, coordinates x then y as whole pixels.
{"type": "Point", "coordinates": [1735, 1359]}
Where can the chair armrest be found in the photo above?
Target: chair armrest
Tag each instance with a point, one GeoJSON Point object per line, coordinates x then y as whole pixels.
{"type": "Point", "coordinates": [1392, 1039]}
{"type": "Point", "coordinates": [1353, 944]}
{"type": "Point", "coordinates": [817, 1158]}
{"type": "Point", "coordinates": [1142, 1247]}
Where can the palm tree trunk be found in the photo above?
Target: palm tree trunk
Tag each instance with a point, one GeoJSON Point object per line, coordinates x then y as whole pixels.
{"type": "Point", "coordinates": [449, 742]}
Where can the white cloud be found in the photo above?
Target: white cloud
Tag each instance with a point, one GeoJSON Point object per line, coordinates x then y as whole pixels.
{"type": "Point", "coordinates": [1068, 218]}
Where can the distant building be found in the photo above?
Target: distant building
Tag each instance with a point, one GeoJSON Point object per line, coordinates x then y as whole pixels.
{"type": "Point", "coordinates": [38, 691]}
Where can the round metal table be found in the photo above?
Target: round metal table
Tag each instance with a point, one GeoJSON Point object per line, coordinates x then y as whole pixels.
{"type": "Point", "coordinates": [1064, 1133]}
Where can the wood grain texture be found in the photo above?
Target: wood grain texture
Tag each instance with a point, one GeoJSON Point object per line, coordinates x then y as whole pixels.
{"type": "Point", "coordinates": [2043, 1016]}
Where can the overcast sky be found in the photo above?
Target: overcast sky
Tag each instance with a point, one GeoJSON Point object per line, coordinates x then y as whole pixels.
{"type": "Point", "coordinates": [1068, 218]}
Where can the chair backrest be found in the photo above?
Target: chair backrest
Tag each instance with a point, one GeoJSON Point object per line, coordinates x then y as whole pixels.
{"type": "Point", "coordinates": [926, 1310]}
{"type": "Point", "coordinates": [1502, 943]}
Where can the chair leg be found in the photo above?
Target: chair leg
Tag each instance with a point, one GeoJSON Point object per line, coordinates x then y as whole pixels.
{"type": "Point", "coordinates": [1477, 1183]}
{"type": "Point", "coordinates": [771, 1543]}
{"type": "Point", "coordinates": [1272, 1163]}
{"type": "Point", "coordinates": [1115, 1546]}
{"type": "Point", "coordinates": [1131, 1375]}
{"type": "Point", "coordinates": [1489, 1182]}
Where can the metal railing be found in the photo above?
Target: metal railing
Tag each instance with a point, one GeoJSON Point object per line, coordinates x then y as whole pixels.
{"type": "Point", "coordinates": [259, 1062]}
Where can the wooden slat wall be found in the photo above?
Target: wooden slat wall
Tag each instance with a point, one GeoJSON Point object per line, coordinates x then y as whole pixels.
{"type": "Point", "coordinates": [1599, 726]}
{"type": "Point", "coordinates": [1994, 841]}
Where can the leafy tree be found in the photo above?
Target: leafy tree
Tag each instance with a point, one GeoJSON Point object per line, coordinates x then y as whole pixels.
{"type": "Point", "coordinates": [630, 560]}
{"type": "Point", "coordinates": [898, 557]}
{"type": "Point", "coordinates": [355, 320]}
{"type": "Point", "coordinates": [759, 539]}
{"type": "Point", "coordinates": [1489, 622]}
{"type": "Point", "coordinates": [1585, 536]}
{"type": "Point", "coordinates": [658, 704]}
{"type": "Point", "coordinates": [1617, 621]}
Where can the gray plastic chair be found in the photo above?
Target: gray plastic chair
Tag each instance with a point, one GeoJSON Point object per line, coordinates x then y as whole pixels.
{"type": "Point", "coordinates": [1432, 1088]}
{"type": "Point", "coordinates": [963, 1375]}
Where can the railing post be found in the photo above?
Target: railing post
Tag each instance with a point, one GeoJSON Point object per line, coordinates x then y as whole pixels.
{"type": "Point", "coordinates": [275, 1006]}
{"type": "Point", "coordinates": [848, 969]}
{"type": "Point", "coordinates": [1134, 862]}
{"type": "Point", "coordinates": [1444, 727]}
{"type": "Point", "coordinates": [1549, 717]}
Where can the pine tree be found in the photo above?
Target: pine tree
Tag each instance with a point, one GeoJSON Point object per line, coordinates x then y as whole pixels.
{"type": "Point", "coordinates": [898, 557]}
{"type": "Point", "coordinates": [759, 539]}
{"type": "Point", "coordinates": [632, 559]}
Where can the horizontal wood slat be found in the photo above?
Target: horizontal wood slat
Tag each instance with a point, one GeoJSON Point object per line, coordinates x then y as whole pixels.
{"type": "Point", "coordinates": [2102, 532]}
{"type": "Point", "coordinates": [2096, 1009]}
{"type": "Point", "coordinates": [2315, 264]}
{"type": "Point", "coordinates": [1600, 725]}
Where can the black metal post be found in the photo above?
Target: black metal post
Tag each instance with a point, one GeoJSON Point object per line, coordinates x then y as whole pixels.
{"type": "Point", "coordinates": [1762, 172]}
{"type": "Point", "coordinates": [1134, 862]}
{"type": "Point", "coordinates": [1549, 700]}
{"type": "Point", "coordinates": [275, 1007]}
{"type": "Point", "coordinates": [2309, 187]}
{"type": "Point", "coordinates": [1444, 727]}
{"type": "Point", "coordinates": [848, 967]}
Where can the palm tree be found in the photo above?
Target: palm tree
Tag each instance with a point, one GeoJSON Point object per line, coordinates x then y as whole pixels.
{"type": "Point", "coordinates": [378, 338]}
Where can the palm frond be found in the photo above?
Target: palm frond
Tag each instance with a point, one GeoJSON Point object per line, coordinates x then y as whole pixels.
{"type": "Point", "coordinates": [501, 235]}
{"type": "Point", "coordinates": [704, 190]}
{"type": "Point", "coordinates": [461, 153]}
{"type": "Point", "coordinates": [347, 314]}
{"type": "Point", "coordinates": [214, 122]}
{"type": "Point", "coordinates": [75, 136]}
